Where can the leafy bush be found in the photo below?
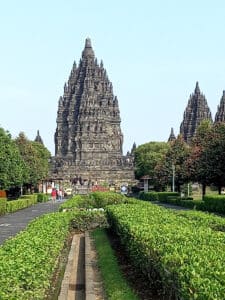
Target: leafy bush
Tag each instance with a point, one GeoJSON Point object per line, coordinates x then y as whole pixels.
{"type": "Point", "coordinates": [41, 197]}
{"type": "Point", "coordinates": [215, 203]}
{"type": "Point", "coordinates": [94, 200]}
{"type": "Point", "coordinates": [3, 206]}
{"type": "Point", "coordinates": [149, 196]}
{"type": "Point", "coordinates": [163, 196]}
{"type": "Point", "coordinates": [86, 220]}
{"type": "Point", "coordinates": [184, 253]}
{"type": "Point", "coordinates": [23, 202]}
{"type": "Point", "coordinates": [27, 262]}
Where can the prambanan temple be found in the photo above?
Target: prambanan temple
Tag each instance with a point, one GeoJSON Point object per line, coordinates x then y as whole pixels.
{"type": "Point", "coordinates": [88, 137]}
{"type": "Point", "coordinates": [196, 111]}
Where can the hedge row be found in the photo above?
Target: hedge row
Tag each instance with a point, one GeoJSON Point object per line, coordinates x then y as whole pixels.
{"type": "Point", "coordinates": [28, 262]}
{"type": "Point", "coordinates": [3, 206]}
{"type": "Point", "coordinates": [187, 256]}
{"type": "Point", "coordinates": [157, 196]}
{"type": "Point", "coordinates": [23, 202]}
{"type": "Point", "coordinates": [94, 200]}
{"type": "Point", "coordinates": [209, 203]}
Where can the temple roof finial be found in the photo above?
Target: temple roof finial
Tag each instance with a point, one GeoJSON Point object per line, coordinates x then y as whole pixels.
{"type": "Point", "coordinates": [88, 51]}
{"type": "Point", "coordinates": [197, 89]}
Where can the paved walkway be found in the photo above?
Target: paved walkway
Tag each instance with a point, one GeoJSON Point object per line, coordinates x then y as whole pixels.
{"type": "Point", "coordinates": [11, 224]}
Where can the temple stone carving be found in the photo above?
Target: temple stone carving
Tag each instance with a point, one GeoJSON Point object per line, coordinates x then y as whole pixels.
{"type": "Point", "coordinates": [196, 111]}
{"type": "Point", "coordinates": [88, 137]}
{"type": "Point", "coordinates": [220, 114]}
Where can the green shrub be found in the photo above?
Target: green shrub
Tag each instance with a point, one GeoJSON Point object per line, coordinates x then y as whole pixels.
{"type": "Point", "coordinates": [41, 197]}
{"type": "Point", "coordinates": [3, 206]}
{"type": "Point", "coordinates": [148, 196]}
{"type": "Point", "coordinates": [93, 200]}
{"type": "Point", "coordinates": [215, 203]}
{"type": "Point", "coordinates": [184, 253]}
{"type": "Point", "coordinates": [28, 261]}
{"type": "Point", "coordinates": [163, 196]}
{"type": "Point", "coordinates": [23, 202]}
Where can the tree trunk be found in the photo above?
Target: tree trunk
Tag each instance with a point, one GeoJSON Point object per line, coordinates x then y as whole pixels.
{"type": "Point", "coordinates": [203, 189]}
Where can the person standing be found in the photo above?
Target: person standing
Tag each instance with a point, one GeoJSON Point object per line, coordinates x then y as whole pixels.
{"type": "Point", "coordinates": [53, 194]}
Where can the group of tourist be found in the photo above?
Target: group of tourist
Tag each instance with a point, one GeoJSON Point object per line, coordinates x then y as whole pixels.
{"type": "Point", "coordinates": [57, 194]}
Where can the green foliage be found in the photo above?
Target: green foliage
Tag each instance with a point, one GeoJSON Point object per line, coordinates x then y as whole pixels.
{"type": "Point", "coordinates": [115, 285]}
{"type": "Point", "coordinates": [93, 200]}
{"type": "Point", "coordinates": [185, 252]}
{"type": "Point", "coordinates": [176, 155]}
{"type": "Point", "coordinates": [215, 203]}
{"type": "Point", "coordinates": [42, 197]}
{"type": "Point", "coordinates": [163, 196]}
{"type": "Point", "coordinates": [3, 206]}
{"type": "Point", "coordinates": [86, 220]}
{"type": "Point", "coordinates": [23, 202]}
{"type": "Point", "coordinates": [36, 159]}
{"type": "Point", "coordinates": [148, 196]}
{"type": "Point", "coordinates": [27, 262]}
{"type": "Point", "coordinates": [147, 156]}
{"type": "Point", "coordinates": [12, 168]}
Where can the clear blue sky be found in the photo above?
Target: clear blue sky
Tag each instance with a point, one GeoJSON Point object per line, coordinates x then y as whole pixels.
{"type": "Point", "coordinates": [153, 51]}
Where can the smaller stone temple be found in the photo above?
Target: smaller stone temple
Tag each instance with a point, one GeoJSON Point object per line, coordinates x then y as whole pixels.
{"type": "Point", "coordinates": [88, 137]}
{"type": "Point", "coordinates": [220, 114]}
{"type": "Point", "coordinates": [196, 111]}
{"type": "Point", "coordinates": [38, 138]}
{"type": "Point", "coordinates": [172, 136]}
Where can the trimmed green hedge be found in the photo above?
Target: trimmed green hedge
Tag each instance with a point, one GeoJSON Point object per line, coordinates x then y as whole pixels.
{"type": "Point", "coordinates": [148, 196]}
{"type": "Point", "coordinates": [27, 262]}
{"type": "Point", "coordinates": [94, 200]}
{"type": "Point", "coordinates": [23, 202]}
{"type": "Point", "coordinates": [42, 197]}
{"type": "Point", "coordinates": [215, 203]}
{"type": "Point", "coordinates": [184, 253]}
{"type": "Point", "coordinates": [163, 196]}
{"type": "Point", "coordinates": [3, 206]}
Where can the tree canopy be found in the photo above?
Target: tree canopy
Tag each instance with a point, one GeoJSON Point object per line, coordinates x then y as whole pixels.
{"type": "Point", "coordinates": [12, 166]}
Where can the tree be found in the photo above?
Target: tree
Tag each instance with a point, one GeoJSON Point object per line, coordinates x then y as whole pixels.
{"type": "Point", "coordinates": [213, 155]}
{"type": "Point", "coordinates": [36, 159]}
{"type": "Point", "coordinates": [197, 162]}
{"type": "Point", "coordinates": [175, 156]}
{"type": "Point", "coordinates": [12, 167]}
{"type": "Point", "coordinates": [147, 156]}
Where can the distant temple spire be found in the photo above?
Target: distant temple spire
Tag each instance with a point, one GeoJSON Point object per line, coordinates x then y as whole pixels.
{"type": "Point", "coordinates": [220, 114]}
{"type": "Point", "coordinates": [197, 89]}
{"type": "Point", "coordinates": [172, 136]}
{"type": "Point", "coordinates": [38, 138]}
{"type": "Point", "coordinates": [196, 111]}
{"type": "Point", "coordinates": [88, 51]}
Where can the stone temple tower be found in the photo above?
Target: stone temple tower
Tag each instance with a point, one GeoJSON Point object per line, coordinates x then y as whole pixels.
{"type": "Point", "coordinates": [196, 111]}
{"type": "Point", "coordinates": [220, 114]}
{"type": "Point", "coordinates": [88, 137]}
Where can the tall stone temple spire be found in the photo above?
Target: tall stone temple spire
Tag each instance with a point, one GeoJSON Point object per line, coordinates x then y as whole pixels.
{"type": "Point", "coordinates": [220, 114]}
{"type": "Point", "coordinates": [196, 111]}
{"type": "Point", "coordinates": [88, 137]}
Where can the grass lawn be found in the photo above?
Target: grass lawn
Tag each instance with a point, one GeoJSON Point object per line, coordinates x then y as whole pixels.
{"type": "Point", "coordinates": [115, 285]}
